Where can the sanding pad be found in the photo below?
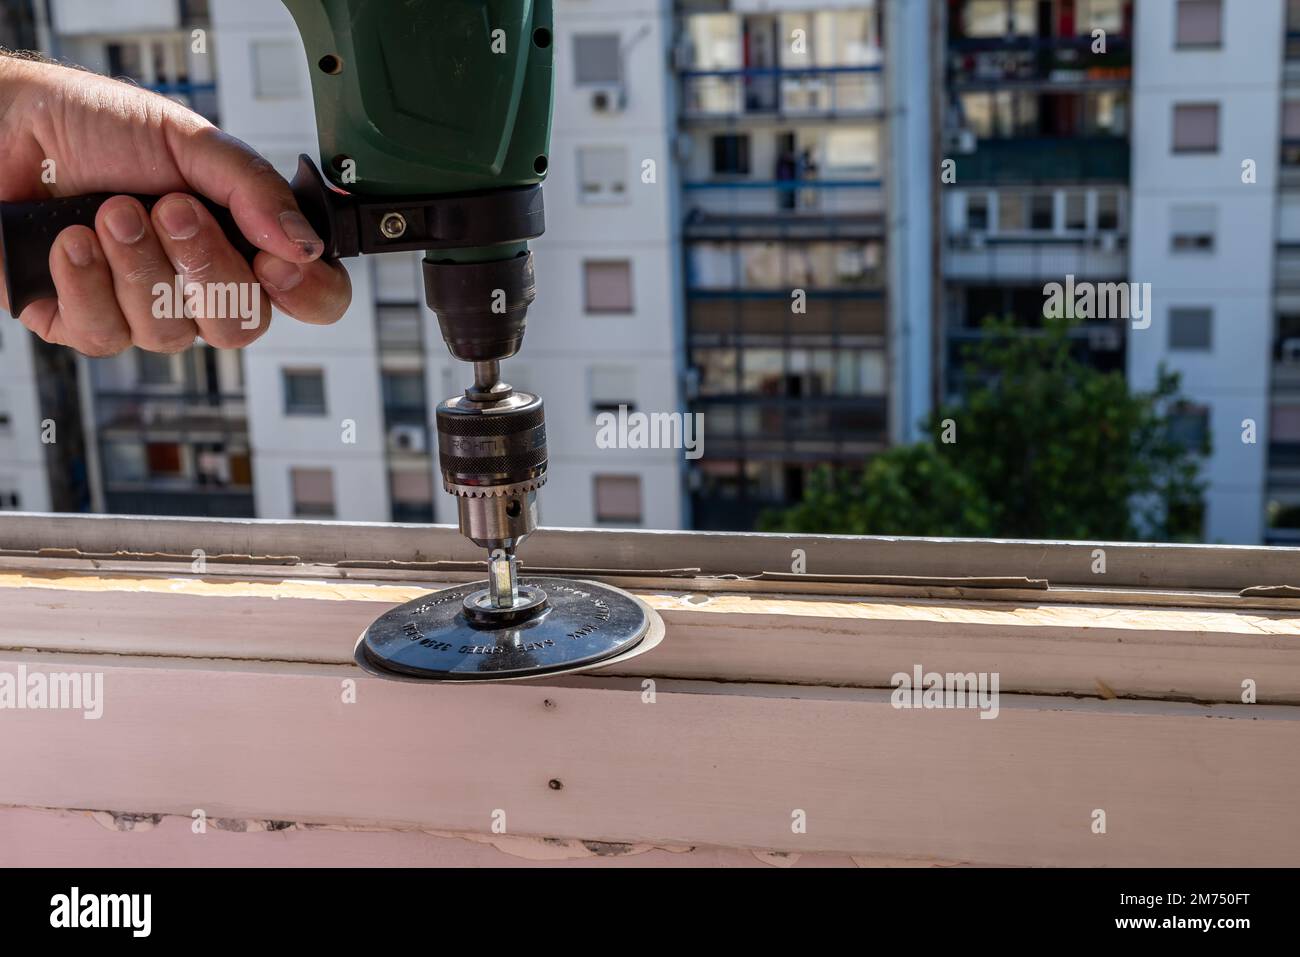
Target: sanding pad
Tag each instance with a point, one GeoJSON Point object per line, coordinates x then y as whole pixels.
{"type": "Point", "coordinates": [567, 625]}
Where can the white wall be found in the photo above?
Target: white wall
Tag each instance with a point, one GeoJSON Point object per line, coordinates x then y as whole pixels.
{"type": "Point", "coordinates": [1235, 280]}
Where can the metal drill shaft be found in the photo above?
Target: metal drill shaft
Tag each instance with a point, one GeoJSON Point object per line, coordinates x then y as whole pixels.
{"type": "Point", "coordinates": [503, 578]}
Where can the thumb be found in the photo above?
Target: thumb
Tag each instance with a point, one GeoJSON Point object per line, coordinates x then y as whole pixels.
{"type": "Point", "coordinates": [230, 172]}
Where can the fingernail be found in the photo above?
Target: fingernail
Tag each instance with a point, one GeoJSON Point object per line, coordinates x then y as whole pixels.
{"type": "Point", "coordinates": [179, 219]}
{"type": "Point", "coordinates": [125, 224]}
{"type": "Point", "coordinates": [299, 231]}
{"type": "Point", "coordinates": [280, 275]}
{"type": "Point", "coordinates": [79, 250]}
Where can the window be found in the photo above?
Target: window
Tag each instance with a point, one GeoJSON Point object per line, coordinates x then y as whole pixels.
{"type": "Point", "coordinates": [166, 460]}
{"type": "Point", "coordinates": [6, 417]}
{"type": "Point", "coordinates": [155, 369]}
{"type": "Point", "coordinates": [597, 59]}
{"type": "Point", "coordinates": [1076, 211]}
{"type": "Point", "coordinates": [602, 174]}
{"type": "Point", "coordinates": [313, 492]}
{"type": "Point", "coordinates": [1011, 212]}
{"type": "Point", "coordinates": [1196, 128]}
{"type": "Point", "coordinates": [977, 212]}
{"type": "Point", "coordinates": [304, 392]}
{"type": "Point", "coordinates": [1040, 212]}
{"type": "Point", "coordinates": [1291, 119]}
{"type": "Point", "coordinates": [1192, 228]}
{"type": "Point", "coordinates": [1189, 328]}
{"type": "Point", "coordinates": [618, 499]}
{"type": "Point", "coordinates": [1200, 23]}
{"type": "Point", "coordinates": [404, 391]}
{"type": "Point", "coordinates": [400, 328]}
{"type": "Point", "coordinates": [731, 154]}
{"type": "Point", "coordinates": [9, 498]}
{"type": "Point", "coordinates": [611, 387]}
{"type": "Point", "coordinates": [411, 492]}
{"type": "Point", "coordinates": [1189, 425]}
{"type": "Point", "coordinates": [608, 286]}
{"type": "Point", "coordinates": [1107, 211]}
{"type": "Point", "coordinates": [852, 149]}
{"type": "Point", "coordinates": [1105, 15]}
{"type": "Point", "coordinates": [277, 69]}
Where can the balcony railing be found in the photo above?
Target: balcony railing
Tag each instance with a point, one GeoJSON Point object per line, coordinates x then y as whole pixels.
{"type": "Point", "coordinates": [783, 93]}
{"type": "Point", "coordinates": [1067, 160]}
{"type": "Point", "coordinates": [199, 502]}
{"type": "Point", "coordinates": [1019, 258]}
{"type": "Point", "coordinates": [1039, 61]}
{"type": "Point", "coordinates": [182, 415]}
{"type": "Point", "coordinates": [790, 425]}
{"type": "Point", "coordinates": [802, 208]}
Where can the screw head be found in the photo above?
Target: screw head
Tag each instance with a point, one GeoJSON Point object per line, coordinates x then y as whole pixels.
{"type": "Point", "coordinates": [393, 226]}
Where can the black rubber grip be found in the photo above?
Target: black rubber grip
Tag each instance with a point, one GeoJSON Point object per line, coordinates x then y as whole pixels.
{"type": "Point", "coordinates": [28, 231]}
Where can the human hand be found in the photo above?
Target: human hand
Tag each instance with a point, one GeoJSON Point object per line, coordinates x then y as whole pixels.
{"type": "Point", "coordinates": [107, 136]}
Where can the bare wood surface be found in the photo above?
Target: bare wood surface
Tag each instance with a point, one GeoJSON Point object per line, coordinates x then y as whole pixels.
{"type": "Point", "coordinates": [1179, 784]}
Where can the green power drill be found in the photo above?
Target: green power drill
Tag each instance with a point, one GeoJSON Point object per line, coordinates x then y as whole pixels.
{"type": "Point", "coordinates": [434, 126]}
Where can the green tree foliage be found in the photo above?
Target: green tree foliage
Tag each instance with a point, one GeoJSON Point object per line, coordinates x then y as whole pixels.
{"type": "Point", "coordinates": [1045, 447]}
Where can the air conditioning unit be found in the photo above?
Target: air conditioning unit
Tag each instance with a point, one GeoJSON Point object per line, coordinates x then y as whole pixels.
{"type": "Point", "coordinates": [408, 438]}
{"type": "Point", "coordinates": [965, 141]}
{"type": "Point", "coordinates": [1108, 242]}
{"type": "Point", "coordinates": [1291, 351]}
{"type": "Point", "coordinates": [608, 99]}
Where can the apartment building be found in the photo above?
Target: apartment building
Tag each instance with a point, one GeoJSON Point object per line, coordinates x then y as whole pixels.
{"type": "Point", "coordinates": [340, 419]}
{"type": "Point", "coordinates": [1038, 124]}
{"type": "Point", "coordinates": [1207, 102]}
{"type": "Point", "coordinates": [1282, 491]}
{"type": "Point", "coordinates": [785, 230]}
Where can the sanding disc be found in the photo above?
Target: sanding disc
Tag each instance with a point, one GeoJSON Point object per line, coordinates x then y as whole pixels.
{"type": "Point", "coordinates": [441, 637]}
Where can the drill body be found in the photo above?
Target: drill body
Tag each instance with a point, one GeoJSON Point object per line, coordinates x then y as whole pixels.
{"type": "Point", "coordinates": [438, 100]}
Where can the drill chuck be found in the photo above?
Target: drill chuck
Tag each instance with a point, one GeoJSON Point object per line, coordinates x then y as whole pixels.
{"type": "Point", "coordinates": [481, 306]}
{"type": "Point", "coordinates": [493, 459]}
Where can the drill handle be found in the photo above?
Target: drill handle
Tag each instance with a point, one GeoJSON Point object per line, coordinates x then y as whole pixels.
{"type": "Point", "coordinates": [28, 230]}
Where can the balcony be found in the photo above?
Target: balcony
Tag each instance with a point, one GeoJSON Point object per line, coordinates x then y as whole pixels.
{"type": "Point", "coordinates": [199, 502]}
{"type": "Point", "coordinates": [813, 428]}
{"type": "Point", "coordinates": [782, 94]}
{"type": "Point", "coordinates": [975, 257]}
{"type": "Point", "coordinates": [718, 316]}
{"type": "Point", "coordinates": [1039, 62]}
{"type": "Point", "coordinates": [194, 417]}
{"type": "Point", "coordinates": [83, 17]}
{"type": "Point", "coordinates": [796, 209]}
{"type": "Point", "coordinates": [998, 162]}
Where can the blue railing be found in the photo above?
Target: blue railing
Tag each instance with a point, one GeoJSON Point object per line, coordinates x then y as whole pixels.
{"type": "Point", "coordinates": [182, 89]}
{"type": "Point", "coordinates": [784, 71]}
{"type": "Point", "coordinates": [786, 184]}
{"type": "Point", "coordinates": [704, 294]}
